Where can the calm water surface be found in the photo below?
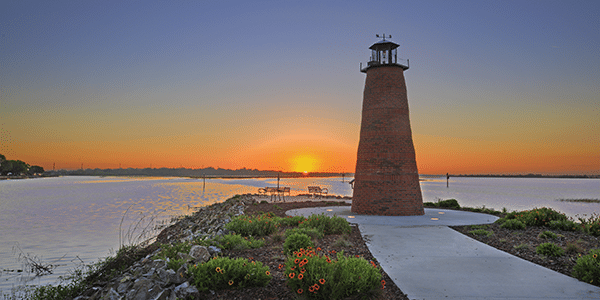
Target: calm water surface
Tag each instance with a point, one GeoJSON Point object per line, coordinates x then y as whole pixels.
{"type": "Point", "coordinates": [68, 220]}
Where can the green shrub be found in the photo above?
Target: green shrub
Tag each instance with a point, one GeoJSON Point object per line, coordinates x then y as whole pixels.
{"type": "Point", "coordinates": [58, 292]}
{"type": "Point", "coordinates": [587, 268]}
{"type": "Point", "coordinates": [170, 250]}
{"type": "Point", "coordinates": [450, 203]}
{"type": "Point", "coordinates": [223, 273]}
{"type": "Point", "coordinates": [537, 216]}
{"type": "Point", "coordinates": [549, 249]}
{"type": "Point", "coordinates": [175, 264]}
{"type": "Point", "coordinates": [329, 225]}
{"type": "Point", "coordinates": [549, 235]}
{"type": "Point", "coordinates": [566, 225]}
{"type": "Point", "coordinates": [513, 224]}
{"type": "Point", "coordinates": [481, 232]}
{"type": "Point", "coordinates": [314, 233]}
{"type": "Point", "coordinates": [291, 221]}
{"type": "Point", "coordinates": [261, 225]}
{"type": "Point", "coordinates": [296, 242]}
{"type": "Point", "coordinates": [313, 276]}
{"type": "Point", "coordinates": [237, 242]}
{"type": "Point", "coordinates": [591, 225]}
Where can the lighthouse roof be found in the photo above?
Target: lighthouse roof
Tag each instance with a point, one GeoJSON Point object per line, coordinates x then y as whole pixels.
{"type": "Point", "coordinates": [384, 45]}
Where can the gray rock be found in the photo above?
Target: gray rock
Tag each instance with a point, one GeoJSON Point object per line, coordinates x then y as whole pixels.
{"type": "Point", "coordinates": [112, 295]}
{"type": "Point", "coordinates": [158, 264]}
{"type": "Point", "coordinates": [185, 290]}
{"type": "Point", "coordinates": [200, 254]}
{"type": "Point", "coordinates": [163, 295]}
{"type": "Point", "coordinates": [213, 250]}
{"type": "Point", "coordinates": [123, 287]}
{"type": "Point", "coordinates": [150, 272]}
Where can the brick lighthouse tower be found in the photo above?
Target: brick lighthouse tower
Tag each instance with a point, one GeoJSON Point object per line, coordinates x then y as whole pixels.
{"type": "Point", "coordinates": [386, 181]}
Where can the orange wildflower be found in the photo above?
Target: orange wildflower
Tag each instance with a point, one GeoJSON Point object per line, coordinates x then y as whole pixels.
{"type": "Point", "coordinates": [268, 273]}
{"type": "Point", "coordinates": [321, 281]}
{"type": "Point", "coordinates": [230, 282]}
{"type": "Point", "coordinates": [300, 291]}
{"type": "Point", "coordinates": [300, 276]}
{"type": "Point", "coordinates": [311, 289]}
{"type": "Point", "coordinates": [292, 275]}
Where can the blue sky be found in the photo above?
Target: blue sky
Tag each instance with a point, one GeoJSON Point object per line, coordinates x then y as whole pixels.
{"type": "Point", "coordinates": [494, 86]}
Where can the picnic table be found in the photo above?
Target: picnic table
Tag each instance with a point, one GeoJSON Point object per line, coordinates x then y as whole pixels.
{"type": "Point", "coordinates": [278, 193]}
{"type": "Point", "coordinates": [317, 190]}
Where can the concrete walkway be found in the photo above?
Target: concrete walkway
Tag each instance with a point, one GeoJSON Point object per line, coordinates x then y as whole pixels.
{"type": "Point", "coordinates": [428, 260]}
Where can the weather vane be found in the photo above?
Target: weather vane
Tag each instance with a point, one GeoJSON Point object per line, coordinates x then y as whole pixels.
{"type": "Point", "coordinates": [384, 36]}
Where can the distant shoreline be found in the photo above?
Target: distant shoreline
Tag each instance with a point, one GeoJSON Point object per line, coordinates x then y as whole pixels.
{"type": "Point", "coordinates": [528, 176]}
{"type": "Point", "coordinates": [286, 175]}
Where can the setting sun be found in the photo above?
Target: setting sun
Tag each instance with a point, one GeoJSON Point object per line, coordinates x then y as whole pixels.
{"type": "Point", "coordinates": [305, 164]}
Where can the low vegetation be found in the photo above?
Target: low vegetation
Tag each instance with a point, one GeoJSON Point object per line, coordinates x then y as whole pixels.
{"type": "Point", "coordinates": [546, 237]}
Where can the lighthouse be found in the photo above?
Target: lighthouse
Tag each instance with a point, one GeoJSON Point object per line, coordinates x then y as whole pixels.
{"type": "Point", "coordinates": [386, 181]}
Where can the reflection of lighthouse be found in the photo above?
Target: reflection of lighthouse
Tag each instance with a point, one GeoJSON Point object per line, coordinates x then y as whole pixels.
{"type": "Point", "coordinates": [386, 178]}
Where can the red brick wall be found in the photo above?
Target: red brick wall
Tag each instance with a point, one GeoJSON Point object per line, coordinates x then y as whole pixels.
{"type": "Point", "coordinates": [386, 178]}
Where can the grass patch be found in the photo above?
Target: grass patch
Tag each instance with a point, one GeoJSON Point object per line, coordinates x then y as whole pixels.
{"type": "Point", "coordinates": [481, 232]}
{"type": "Point", "coordinates": [342, 242]}
{"type": "Point", "coordinates": [548, 235]}
{"type": "Point", "coordinates": [523, 247]}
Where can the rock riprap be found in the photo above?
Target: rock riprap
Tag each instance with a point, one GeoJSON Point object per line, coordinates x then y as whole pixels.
{"type": "Point", "coordinates": [151, 278]}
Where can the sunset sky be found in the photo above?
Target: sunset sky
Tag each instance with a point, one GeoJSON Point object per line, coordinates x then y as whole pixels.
{"type": "Point", "coordinates": [493, 86]}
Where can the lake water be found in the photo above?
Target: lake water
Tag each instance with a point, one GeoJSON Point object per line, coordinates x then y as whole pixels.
{"type": "Point", "coordinates": [68, 220]}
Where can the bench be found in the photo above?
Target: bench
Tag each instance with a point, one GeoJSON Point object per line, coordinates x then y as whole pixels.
{"type": "Point", "coordinates": [274, 192]}
{"type": "Point", "coordinates": [317, 190]}
{"type": "Point", "coordinates": [285, 189]}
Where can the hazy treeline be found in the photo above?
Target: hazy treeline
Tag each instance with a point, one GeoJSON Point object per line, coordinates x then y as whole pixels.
{"type": "Point", "coordinates": [184, 172]}
{"type": "Point", "coordinates": [525, 175]}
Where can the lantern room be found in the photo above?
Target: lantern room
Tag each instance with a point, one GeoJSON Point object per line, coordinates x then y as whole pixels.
{"type": "Point", "coordinates": [384, 53]}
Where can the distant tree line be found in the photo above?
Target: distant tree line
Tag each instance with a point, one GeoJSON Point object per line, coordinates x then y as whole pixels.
{"type": "Point", "coordinates": [184, 172]}
{"type": "Point", "coordinates": [17, 168]}
{"type": "Point", "coordinates": [530, 175]}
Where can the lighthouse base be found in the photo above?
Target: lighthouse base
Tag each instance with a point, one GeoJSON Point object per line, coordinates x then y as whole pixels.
{"type": "Point", "coordinates": [392, 195]}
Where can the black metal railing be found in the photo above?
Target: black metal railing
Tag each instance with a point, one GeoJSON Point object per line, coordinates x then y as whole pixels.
{"type": "Point", "coordinates": [403, 63]}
